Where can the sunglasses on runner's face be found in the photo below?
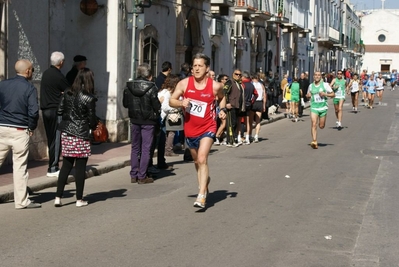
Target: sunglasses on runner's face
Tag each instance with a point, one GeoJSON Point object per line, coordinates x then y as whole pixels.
{"type": "Point", "coordinates": [238, 74]}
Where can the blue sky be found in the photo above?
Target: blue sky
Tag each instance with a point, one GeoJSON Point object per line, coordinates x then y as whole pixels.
{"type": "Point", "coordinates": [375, 4]}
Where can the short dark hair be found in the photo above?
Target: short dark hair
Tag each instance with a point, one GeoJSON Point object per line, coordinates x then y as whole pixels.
{"type": "Point", "coordinates": [166, 66]}
{"type": "Point", "coordinates": [221, 76]}
{"type": "Point", "coordinates": [185, 67]}
{"type": "Point", "coordinates": [206, 59]}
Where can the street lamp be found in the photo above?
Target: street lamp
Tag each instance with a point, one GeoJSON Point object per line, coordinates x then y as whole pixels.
{"type": "Point", "coordinates": [310, 49]}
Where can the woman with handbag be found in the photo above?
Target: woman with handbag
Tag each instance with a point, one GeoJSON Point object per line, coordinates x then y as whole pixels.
{"type": "Point", "coordinates": [172, 117]}
{"type": "Point", "coordinates": [78, 111]}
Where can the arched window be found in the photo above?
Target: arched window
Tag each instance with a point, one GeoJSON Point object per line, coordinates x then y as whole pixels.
{"type": "Point", "coordinates": [150, 53]}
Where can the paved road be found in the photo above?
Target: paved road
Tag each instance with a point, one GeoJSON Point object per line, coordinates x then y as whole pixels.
{"type": "Point", "coordinates": [337, 208]}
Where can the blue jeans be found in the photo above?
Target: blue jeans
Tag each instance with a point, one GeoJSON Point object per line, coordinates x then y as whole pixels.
{"type": "Point", "coordinates": [142, 136]}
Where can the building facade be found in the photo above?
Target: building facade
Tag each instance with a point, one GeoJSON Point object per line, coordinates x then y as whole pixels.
{"type": "Point", "coordinates": [380, 40]}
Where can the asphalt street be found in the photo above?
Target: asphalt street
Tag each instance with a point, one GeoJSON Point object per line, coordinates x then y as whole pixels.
{"type": "Point", "coordinates": [275, 203]}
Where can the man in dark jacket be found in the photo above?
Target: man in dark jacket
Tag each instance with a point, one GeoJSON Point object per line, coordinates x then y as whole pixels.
{"type": "Point", "coordinates": [79, 62]}
{"type": "Point", "coordinates": [19, 112]}
{"type": "Point", "coordinates": [141, 100]}
{"type": "Point", "coordinates": [52, 87]}
{"type": "Point", "coordinates": [303, 86]}
{"type": "Point", "coordinates": [166, 70]}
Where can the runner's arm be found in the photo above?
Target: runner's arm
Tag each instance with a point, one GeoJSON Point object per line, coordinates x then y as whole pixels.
{"type": "Point", "coordinates": [179, 91]}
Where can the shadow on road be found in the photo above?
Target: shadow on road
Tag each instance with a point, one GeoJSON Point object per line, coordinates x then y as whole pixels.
{"type": "Point", "coordinates": [215, 197]}
{"type": "Point", "coordinates": [47, 196]}
{"type": "Point", "coordinates": [102, 196]}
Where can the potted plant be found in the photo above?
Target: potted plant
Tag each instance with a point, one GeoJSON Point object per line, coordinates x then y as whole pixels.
{"type": "Point", "coordinates": [280, 12]}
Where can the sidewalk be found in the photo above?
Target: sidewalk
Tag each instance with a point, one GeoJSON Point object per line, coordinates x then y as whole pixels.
{"type": "Point", "coordinates": [105, 157]}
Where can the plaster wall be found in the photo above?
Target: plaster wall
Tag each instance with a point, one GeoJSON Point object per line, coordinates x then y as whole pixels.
{"type": "Point", "coordinates": [374, 24]}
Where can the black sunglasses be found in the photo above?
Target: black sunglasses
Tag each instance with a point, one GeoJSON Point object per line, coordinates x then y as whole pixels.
{"type": "Point", "coordinates": [238, 74]}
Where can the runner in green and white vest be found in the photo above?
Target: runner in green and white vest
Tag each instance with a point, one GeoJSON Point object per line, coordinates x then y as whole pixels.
{"type": "Point", "coordinates": [318, 92]}
{"type": "Point", "coordinates": [338, 85]}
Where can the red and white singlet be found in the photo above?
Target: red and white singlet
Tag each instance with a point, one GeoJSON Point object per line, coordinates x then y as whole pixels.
{"type": "Point", "coordinates": [200, 117]}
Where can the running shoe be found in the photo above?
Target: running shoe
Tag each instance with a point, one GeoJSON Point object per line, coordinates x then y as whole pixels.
{"type": "Point", "coordinates": [314, 145]}
{"type": "Point", "coordinates": [256, 140]}
{"type": "Point", "coordinates": [200, 201]}
{"type": "Point", "coordinates": [217, 142]}
{"type": "Point", "coordinates": [247, 142]}
{"type": "Point", "coordinates": [339, 125]}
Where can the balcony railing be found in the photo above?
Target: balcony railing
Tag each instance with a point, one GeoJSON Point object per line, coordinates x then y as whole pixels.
{"type": "Point", "coordinates": [298, 16]}
{"type": "Point", "coordinates": [251, 4]}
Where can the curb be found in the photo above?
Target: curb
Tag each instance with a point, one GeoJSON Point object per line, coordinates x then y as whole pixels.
{"type": "Point", "coordinates": [8, 195]}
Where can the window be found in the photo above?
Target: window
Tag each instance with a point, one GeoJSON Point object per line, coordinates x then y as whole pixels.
{"type": "Point", "coordinates": [381, 38]}
{"type": "Point", "coordinates": [150, 53]}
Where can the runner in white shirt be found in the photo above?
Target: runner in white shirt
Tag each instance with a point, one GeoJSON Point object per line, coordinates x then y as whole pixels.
{"type": "Point", "coordinates": [380, 88]}
{"type": "Point", "coordinates": [353, 89]}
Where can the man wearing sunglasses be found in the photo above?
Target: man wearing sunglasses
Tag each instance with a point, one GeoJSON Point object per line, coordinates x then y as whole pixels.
{"type": "Point", "coordinates": [235, 105]}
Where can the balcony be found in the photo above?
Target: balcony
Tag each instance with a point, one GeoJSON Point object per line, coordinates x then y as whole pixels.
{"type": "Point", "coordinates": [227, 3]}
{"type": "Point", "coordinates": [253, 8]}
{"type": "Point", "coordinates": [298, 18]}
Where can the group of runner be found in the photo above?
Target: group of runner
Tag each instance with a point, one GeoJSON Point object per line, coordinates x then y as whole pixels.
{"type": "Point", "coordinates": [196, 95]}
{"type": "Point", "coordinates": [319, 90]}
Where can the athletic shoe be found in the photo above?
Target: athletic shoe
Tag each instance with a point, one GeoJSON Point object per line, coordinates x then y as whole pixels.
{"type": "Point", "coordinates": [237, 144]}
{"type": "Point", "coordinates": [81, 203]}
{"type": "Point", "coordinates": [314, 145]}
{"type": "Point", "coordinates": [224, 143]}
{"type": "Point", "coordinates": [247, 142]}
{"type": "Point", "coordinates": [217, 142]}
{"type": "Point", "coordinates": [53, 174]}
{"type": "Point", "coordinates": [57, 202]}
{"type": "Point", "coordinates": [200, 201]}
{"type": "Point", "coordinates": [339, 124]}
{"type": "Point", "coordinates": [256, 140]}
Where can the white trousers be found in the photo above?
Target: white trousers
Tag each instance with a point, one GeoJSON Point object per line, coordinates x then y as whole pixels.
{"type": "Point", "coordinates": [18, 141]}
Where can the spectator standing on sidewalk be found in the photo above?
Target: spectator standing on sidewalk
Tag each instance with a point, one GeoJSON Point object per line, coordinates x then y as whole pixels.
{"type": "Point", "coordinates": [141, 100]}
{"type": "Point", "coordinates": [166, 70]}
{"type": "Point", "coordinates": [79, 62]}
{"type": "Point", "coordinates": [250, 95]}
{"type": "Point", "coordinates": [19, 113]}
{"type": "Point", "coordinates": [199, 94]}
{"type": "Point", "coordinates": [303, 85]}
{"type": "Point", "coordinates": [52, 86]}
{"type": "Point", "coordinates": [78, 111]}
{"type": "Point", "coordinates": [222, 78]}
{"type": "Point", "coordinates": [160, 134]}
{"type": "Point", "coordinates": [167, 114]}
{"type": "Point", "coordinates": [234, 104]}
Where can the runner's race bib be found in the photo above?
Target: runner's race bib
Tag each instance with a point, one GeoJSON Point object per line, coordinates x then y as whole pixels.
{"type": "Point", "coordinates": [318, 99]}
{"type": "Point", "coordinates": [197, 108]}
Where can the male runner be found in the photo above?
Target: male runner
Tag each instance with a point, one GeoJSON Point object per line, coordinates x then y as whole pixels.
{"type": "Point", "coordinates": [199, 94]}
{"type": "Point", "coordinates": [318, 92]}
